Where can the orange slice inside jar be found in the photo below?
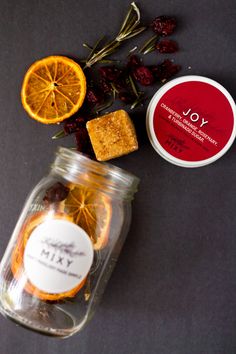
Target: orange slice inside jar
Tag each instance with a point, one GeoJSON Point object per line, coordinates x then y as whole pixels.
{"type": "Point", "coordinates": [17, 260]}
{"type": "Point", "coordinates": [92, 211]}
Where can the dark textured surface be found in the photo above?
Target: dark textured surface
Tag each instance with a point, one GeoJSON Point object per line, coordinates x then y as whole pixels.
{"type": "Point", "coordinates": [173, 290]}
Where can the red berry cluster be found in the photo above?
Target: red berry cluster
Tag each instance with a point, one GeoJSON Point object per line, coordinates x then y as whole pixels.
{"type": "Point", "coordinates": [164, 26]}
{"type": "Point", "coordinates": [122, 82]}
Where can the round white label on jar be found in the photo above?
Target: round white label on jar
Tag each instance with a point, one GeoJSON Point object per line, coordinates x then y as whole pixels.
{"type": "Point", "coordinates": [58, 256]}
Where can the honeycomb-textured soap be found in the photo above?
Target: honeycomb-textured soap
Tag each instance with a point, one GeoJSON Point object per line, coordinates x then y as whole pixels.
{"type": "Point", "coordinates": [112, 135]}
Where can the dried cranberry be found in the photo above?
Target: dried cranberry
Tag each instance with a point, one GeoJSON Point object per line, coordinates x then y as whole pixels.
{"type": "Point", "coordinates": [122, 81]}
{"type": "Point", "coordinates": [110, 73]}
{"type": "Point", "coordinates": [133, 61]}
{"type": "Point", "coordinates": [143, 75]}
{"type": "Point", "coordinates": [164, 25]}
{"type": "Point", "coordinates": [56, 193]}
{"type": "Point", "coordinates": [126, 97]}
{"type": "Point", "coordinates": [167, 46]}
{"type": "Point", "coordinates": [105, 86]}
{"type": "Point", "coordinates": [69, 127]}
{"type": "Point", "coordinates": [165, 70]}
{"type": "Point", "coordinates": [73, 124]}
{"type": "Point", "coordinates": [83, 143]}
{"type": "Point", "coordinates": [93, 96]}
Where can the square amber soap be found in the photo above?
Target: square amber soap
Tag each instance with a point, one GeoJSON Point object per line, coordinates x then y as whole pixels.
{"type": "Point", "coordinates": [112, 135]}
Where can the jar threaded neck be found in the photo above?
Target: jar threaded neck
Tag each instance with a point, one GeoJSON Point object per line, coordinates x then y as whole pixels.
{"type": "Point", "coordinates": [110, 179]}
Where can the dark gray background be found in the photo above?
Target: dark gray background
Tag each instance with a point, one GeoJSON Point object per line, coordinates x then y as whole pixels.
{"type": "Point", "coordinates": [173, 289]}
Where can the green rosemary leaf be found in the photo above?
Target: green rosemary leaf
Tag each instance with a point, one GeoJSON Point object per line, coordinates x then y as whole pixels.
{"type": "Point", "coordinates": [59, 135]}
{"type": "Point", "coordinates": [109, 61]}
{"type": "Point", "coordinates": [129, 29]}
{"type": "Point", "coordinates": [114, 88]}
{"type": "Point", "coordinates": [95, 47]}
{"type": "Point", "coordinates": [138, 101]}
{"type": "Point", "coordinates": [135, 104]}
{"type": "Point", "coordinates": [149, 44]}
{"type": "Point", "coordinates": [87, 46]}
{"type": "Point", "coordinates": [103, 107]}
{"type": "Point", "coordinates": [114, 92]}
{"type": "Point", "coordinates": [132, 18]}
{"type": "Point", "coordinates": [133, 49]}
{"type": "Point", "coordinates": [134, 88]}
{"type": "Point", "coordinates": [136, 32]}
{"type": "Point", "coordinates": [135, 19]}
{"type": "Point", "coordinates": [126, 20]}
{"type": "Point", "coordinates": [104, 52]}
{"type": "Point", "coordinates": [131, 23]}
{"type": "Point", "coordinates": [109, 46]}
{"type": "Point", "coordinates": [149, 50]}
{"type": "Point", "coordinates": [136, 9]}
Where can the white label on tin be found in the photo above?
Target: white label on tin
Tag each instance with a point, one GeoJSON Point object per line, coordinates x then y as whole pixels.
{"type": "Point", "coordinates": [58, 256]}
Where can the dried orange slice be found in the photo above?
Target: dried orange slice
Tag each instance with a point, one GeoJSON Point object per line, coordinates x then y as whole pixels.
{"type": "Point", "coordinates": [17, 259]}
{"type": "Point", "coordinates": [92, 211]}
{"type": "Point", "coordinates": [53, 89]}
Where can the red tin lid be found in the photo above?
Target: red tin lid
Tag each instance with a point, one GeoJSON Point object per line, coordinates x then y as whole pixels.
{"type": "Point", "coordinates": [191, 121]}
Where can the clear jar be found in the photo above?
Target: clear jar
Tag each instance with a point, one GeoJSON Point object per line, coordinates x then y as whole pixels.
{"type": "Point", "coordinates": [65, 244]}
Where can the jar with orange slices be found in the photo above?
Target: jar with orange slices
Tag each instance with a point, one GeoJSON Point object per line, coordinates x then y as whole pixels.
{"type": "Point", "coordinates": [65, 244]}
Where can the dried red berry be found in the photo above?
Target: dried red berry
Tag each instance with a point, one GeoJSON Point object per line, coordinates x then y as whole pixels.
{"type": "Point", "coordinates": [105, 86]}
{"type": "Point", "coordinates": [133, 61]}
{"type": "Point", "coordinates": [73, 124]}
{"type": "Point", "coordinates": [110, 73]}
{"type": "Point", "coordinates": [167, 46]}
{"type": "Point", "coordinates": [165, 70]}
{"type": "Point", "coordinates": [122, 81]}
{"type": "Point", "coordinates": [93, 96]}
{"type": "Point", "coordinates": [69, 127]}
{"type": "Point", "coordinates": [80, 121]}
{"type": "Point", "coordinates": [143, 75]}
{"type": "Point", "coordinates": [164, 25]}
{"type": "Point", "coordinates": [126, 97]}
{"type": "Point", "coordinates": [83, 143]}
{"type": "Point", "coordinates": [56, 193]}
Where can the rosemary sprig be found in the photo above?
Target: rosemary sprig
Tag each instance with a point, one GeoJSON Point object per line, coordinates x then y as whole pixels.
{"type": "Point", "coordinates": [102, 107]}
{"type": "Point", "coordinates": [149, 45]}
{"type": "Point", "coordinates": [139, 94]}
{"type": "Point", "coordinates": [92, 49]}
{"type": "Point", "coordinates": [138, 101]}
{"type": "Point", "coordinates": [87, 46]}
{"type": "Point", "coordinates": [114, 89]}
{"type": "Point", "coordinates": [59, 135]}
{"type": "Point", "coordinates": [133, 86]}
{"type": "Point", "coordinates": [129, 28]}
{"type": "Point", "coordinates": [133, 49]}
{"type": "Point", "coordinates": [109, 61]}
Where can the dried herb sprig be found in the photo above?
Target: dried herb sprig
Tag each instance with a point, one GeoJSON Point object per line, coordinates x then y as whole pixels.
{"type": "Point", "coordinates": [60, 134]}
{"type": "Point", "coordinates": [129, 28]}
{"type": "Point", "coordinates": [138, 94]}
{"type": "Point", "coordinates": [150, 45]}
{"type": "Point", "coordinates": [139, 101]}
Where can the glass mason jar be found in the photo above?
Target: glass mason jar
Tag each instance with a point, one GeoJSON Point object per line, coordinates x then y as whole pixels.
{"type": "Point", "coordinates": [65, 244]}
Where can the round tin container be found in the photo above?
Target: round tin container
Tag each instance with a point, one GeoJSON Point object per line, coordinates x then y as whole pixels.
{"type": "Point", "coordinates": [191, 121]}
